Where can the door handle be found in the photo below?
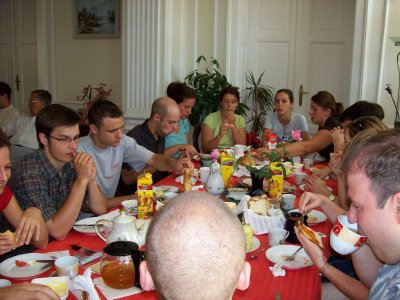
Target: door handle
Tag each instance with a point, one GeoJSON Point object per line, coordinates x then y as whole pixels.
{"type": "Point", "coordinates": [301, 92]}
{"type": "Point", "coordinates": [17, 81]}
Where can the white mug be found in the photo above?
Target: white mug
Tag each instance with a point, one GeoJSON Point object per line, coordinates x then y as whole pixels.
{"type": "Point", "coordinates": [202, 175]}
{"type": "Point", "coordinates": [277, 236]}
{"type": "Point", "coordinates": [300, 178]}
{"type": "Point", "coordinates": [239, 149]}
{"type": "Point", "coordinates": [308, 163]}
{"type": "Point", "coordinates": [287, 201]}
{"type": "Point", "coordinates": [67, 266]}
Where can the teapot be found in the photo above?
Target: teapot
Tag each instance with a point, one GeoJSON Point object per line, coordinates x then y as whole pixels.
{"type": "Point", "coordinates": [215, 181]}
{"type": "Point", "coordinates": [292, 217]}
{"type": "Point", "coordinates": [122, 228]}
{"type": "Point", "coordinates": [119, 266]}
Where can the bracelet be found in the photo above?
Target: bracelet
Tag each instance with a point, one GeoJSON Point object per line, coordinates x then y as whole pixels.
{"type": "Point", "coordinates": [323, 269]}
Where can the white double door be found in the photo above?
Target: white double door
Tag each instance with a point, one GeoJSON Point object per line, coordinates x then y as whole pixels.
{"type": "Point", "coordinates": [18, 51]}
{"type": "Point", "coordinates": [303, 44]}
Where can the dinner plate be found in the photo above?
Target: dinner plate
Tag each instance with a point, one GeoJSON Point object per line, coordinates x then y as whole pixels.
{"type": "Point", "coordinates": [9, 269]}
{"type": "Point", "coordinates": [303, 188]}
{"type": "Point", "coordinates": [166, 188]}
{"type": "Point", "coordinates": [277, 254]}
{"type": "Point", "coordinates": [314, 216]}
{"type": "Point", "coordinates": [91, 221]}
{"type": "Point", "coordinates": [256, 244]}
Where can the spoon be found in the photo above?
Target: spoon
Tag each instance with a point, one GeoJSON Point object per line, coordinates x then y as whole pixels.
{"type": "Point", "coordinates": [254, 256]}
{"type": "Point", "coordinates": [292, 257]}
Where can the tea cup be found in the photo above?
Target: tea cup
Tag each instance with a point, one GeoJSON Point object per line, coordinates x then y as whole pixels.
{"type": "Point", "coordinates": [277, 236]}
{"type": "Point", "coordinates": [344, 238]}
{"type": "Point", "coordinates": [300, 177]}
{"type": "Point", "coordinates": [308, 163]}
{"type": "Point", "coordinates": [203, 173]}
{"type": "Point", "coordinates": [287, 201]}
{"type": "Point", "coordinates": [239, 149]}
{"type": "Point", "coordinates": [67, 266]}
{"type": "Point", "coordinates": [130, 206]}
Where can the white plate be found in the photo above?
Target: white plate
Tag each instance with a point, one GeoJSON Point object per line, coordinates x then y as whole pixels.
{"type": "Point", "coordinates": [93, 220]}
{"type": "Point", "coordinates": [316, 216]}
{"type": "Point", "coordinates": [256, 244]}
{"type": "Point", "coordinates": [10, 270]}
{"type": "Point", "coordinates": [166, 188]}
{"type": "Point", "coordinates": [276, 254]}
{"type": "Point", "coordinates": [303, 187]}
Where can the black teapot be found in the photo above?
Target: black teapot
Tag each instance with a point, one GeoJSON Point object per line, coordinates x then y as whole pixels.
{"type": "Point", "coordinates": [291, 219]}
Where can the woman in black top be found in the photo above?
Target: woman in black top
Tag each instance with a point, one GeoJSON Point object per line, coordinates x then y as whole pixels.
{"type": "Point", "coordinates": [324, 112]}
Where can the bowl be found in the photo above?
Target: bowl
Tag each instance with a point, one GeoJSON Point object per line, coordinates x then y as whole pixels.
{"type": "Point", "coordinates": [60, 285]}
{"type": "Point", "coordinates": [4, 283]}
{"type": "Point", "coordinates": [237, 193]}
{"type": "Point", "coordinates": [130, 206]}
{"type": "Point", "coordinates": [344, 238]}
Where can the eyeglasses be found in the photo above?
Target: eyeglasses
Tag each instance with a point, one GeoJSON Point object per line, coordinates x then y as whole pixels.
{"type": "Point", "coordinates": [66, 140]}
{"type": "Point", "coordinates": [33, 102]}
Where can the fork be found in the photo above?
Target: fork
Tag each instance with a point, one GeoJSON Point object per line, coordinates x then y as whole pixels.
{"type": "Point", "coordinates": [292, 257]}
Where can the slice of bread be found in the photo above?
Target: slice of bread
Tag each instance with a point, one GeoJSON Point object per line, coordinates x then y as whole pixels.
{"type": "Point", "coordinates": [12, 237]}
{"type": "Point", "coordinates": [310, 234]}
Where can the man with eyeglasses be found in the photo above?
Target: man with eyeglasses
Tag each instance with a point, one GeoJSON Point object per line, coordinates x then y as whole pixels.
{"type": "Point", "coordinates": [110, 147]}
{"type": "Point", "coordinates": [22, 131]}
{"type": "Point", "coordinates": [57, 179]}
{"type": "Point", "coordinates": [7, 111]}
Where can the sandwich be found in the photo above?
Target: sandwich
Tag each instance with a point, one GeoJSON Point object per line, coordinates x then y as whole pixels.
{"type": "Point", "coordinates": [310, 234]}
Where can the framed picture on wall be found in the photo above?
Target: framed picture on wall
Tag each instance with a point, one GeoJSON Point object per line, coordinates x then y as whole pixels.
{"type": "Point", "coordinates": [96, 19]}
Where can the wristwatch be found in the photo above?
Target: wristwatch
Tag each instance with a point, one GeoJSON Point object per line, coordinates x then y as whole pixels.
{"type": "Point", "coordinates": [331, 197]}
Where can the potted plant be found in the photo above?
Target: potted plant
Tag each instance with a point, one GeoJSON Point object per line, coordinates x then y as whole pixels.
{"type": "Point", "coordinates": [208, 84]}
{"type": "Point", "coordinates": [259, 173]}
{"type": "Point", "coordinates": [260, 99]}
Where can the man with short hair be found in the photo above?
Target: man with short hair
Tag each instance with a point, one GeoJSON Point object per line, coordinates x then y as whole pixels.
{"type": "Point", "coordinates": [22, 131]}
{"type": "Point", "coordinates": [109, 147]}
{"type": "Point", "coordinates": [372, 167]}
{"type": "Point", "coordinates": [164, 119]}
{"type": "Point", "coordinates": [195, 249]}
{"type": "Point", "coordinates": [7, 111]}
{"type": "Point", "coordinates": [55, 178]}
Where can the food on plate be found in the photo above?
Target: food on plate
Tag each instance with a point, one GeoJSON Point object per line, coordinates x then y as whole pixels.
{"type": "Point", "coordinates": [247, 160]}
{"type": "Point", "coordinates": [310, 234]}
{"type": "Point", "coordinates": [248, 232]}
{"type": "Point", "coordinates": [260, 205]}
{"type": "Point", "coordinates": [312, 219]}
{"type": "Point", "coordinates": [12, 237]}
{"type": "Point", "coordinates": [320, 167]}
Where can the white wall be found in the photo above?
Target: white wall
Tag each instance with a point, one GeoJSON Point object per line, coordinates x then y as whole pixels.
{"type": "Point", "coordinates": [79, 62]}
{"type": "Point", "coordinates": [388, 67]}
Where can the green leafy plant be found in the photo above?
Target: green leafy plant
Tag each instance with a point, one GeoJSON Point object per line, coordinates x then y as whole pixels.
{"type": "Point", "coordinates": [265, 171]}
{"type": "Point", "coordinates": [208, 84]}
{"type": "Point", "coordinates": [260, 99]}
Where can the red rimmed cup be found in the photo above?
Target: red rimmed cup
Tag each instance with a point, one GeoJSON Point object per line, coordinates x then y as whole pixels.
{"type": "Point", "coordinates": [344, 238]}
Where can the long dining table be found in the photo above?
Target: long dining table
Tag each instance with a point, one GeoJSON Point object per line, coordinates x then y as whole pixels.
{"type": "Point", "coordinates": [303, 283]}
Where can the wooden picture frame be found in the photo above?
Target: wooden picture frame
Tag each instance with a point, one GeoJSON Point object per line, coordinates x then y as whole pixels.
{"type": "Point", "coordinates": [96, 19]}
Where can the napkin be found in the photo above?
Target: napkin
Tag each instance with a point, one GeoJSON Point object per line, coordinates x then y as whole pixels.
{"type": "Point", "coordinates": [84, 283]}
{"type": "Point", "coordinates": [179, 179]}
{"type": "Point", "coordinates": [277, 270]}
{"type": "Point", "coordinates": [111, 293]}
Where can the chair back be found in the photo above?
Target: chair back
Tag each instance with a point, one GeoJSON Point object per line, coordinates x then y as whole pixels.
{"type": "Point", "coordinates": [196, 135]}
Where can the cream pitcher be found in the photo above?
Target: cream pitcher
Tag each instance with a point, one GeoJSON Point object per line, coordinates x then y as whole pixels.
{"type": "Point", "coordinates": [215, 182]}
